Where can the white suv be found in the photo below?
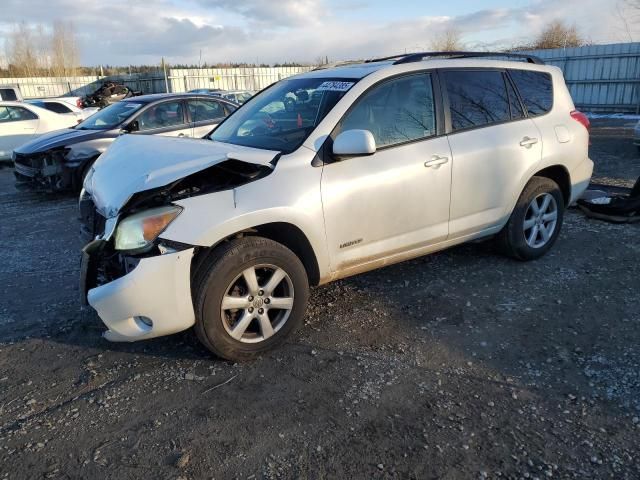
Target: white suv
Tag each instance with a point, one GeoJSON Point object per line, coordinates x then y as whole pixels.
{"type": "Point", "coordinates": [321, 176]}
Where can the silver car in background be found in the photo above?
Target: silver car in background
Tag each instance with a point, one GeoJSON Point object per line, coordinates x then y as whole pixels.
{"type": "Point", "coordinates": [61, 159]}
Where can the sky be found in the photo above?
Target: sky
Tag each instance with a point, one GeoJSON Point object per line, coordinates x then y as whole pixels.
{"type": "Point", "coordinates": [131, 32]}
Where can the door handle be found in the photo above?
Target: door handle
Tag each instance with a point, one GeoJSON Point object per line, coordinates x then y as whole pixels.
{"type": "Point", "coordinates": [528, 142]}
{"type": "Point", "coordinates": [436, 161]}
{"type": "Point", "coordinates": [181, 134]}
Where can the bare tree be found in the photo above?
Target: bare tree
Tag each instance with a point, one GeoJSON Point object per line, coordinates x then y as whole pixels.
{"type": "Point", "coordinates": [450, 40]}
{"type": "Point", "coordinates": [64, 49]}
{"type": "Point", "coordinates": [22, 51]}
{"type": "Point", "coordinates": [627, 14]}
{"type": "Point", "coordinates": [558, 35]}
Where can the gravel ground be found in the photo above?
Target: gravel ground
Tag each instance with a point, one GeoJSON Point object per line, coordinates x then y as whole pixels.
{"type": "Point", "coordinates": [462, 364]}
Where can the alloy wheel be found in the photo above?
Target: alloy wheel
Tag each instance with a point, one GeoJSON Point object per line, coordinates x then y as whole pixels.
{"type": "Point", "coordinates": [257, 303]}
{"type": "Point", "coordinates": [540, 220]}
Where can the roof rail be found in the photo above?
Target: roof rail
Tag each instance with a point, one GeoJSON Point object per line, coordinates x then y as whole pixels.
{"type": "Point", "coordinates": [336, 64]}
{"type": "Point", "coordinates": [418, 57]}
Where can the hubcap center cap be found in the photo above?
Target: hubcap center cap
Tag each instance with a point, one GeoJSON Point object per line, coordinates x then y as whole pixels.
{"type": "Point", "coordinates": [258, 302]}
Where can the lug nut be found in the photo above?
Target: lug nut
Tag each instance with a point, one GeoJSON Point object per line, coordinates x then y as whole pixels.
{"type": "Point", "coordinates": [250, 309]}
{"type": "Point", "coordinates": [250, 298]}
{"type": "Point", "coordinates": [261, 311]}
{"type": "Point", "coordinates": [267, 301]}
{"type": "Point", "coordinates": [261, 292]}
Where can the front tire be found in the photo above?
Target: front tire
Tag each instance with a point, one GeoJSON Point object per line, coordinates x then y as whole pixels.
{"type": "Point", "coordinates": [535, 222]}
{"type": "Point", "coordinates": [250, 294]}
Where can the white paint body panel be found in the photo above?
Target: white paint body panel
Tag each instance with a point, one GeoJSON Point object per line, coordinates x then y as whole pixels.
{"type": "Point", "coordinates": [386, 202]}
{"type": "Point", "coordinates": [488, 165]}
{"type": "Point", "coordinates": [17, 133]}
{"type": "Point", "coordinates": [382, 208]}
{"type": "Point", "coordinates": [158, 288]}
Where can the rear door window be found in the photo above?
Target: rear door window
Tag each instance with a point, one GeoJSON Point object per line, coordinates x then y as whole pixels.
{"type": "Point", "coordinates": [4, 115]}
{"type": "Point", "coordinates": [536, 90]}
{"type": "Point", "coordinates": [205, 110]}
{"type": "Point", "coordinates": [18, 114]}
{"type": "Point", "coordinates": [476, 98]}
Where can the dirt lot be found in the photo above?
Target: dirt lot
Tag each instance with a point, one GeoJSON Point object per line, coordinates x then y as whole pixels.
{"type": "Point", "coordinates": [462, 364]}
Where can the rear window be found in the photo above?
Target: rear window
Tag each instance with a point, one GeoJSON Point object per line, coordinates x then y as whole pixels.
{"type": "Point", "coordinates": [8, 94]}
{"type": "Point", "coordinates": [476, 98]}
{"type": "Point", "coordinates": [56, 107]}
{"type": "Point", "coordinates": [535, 89]}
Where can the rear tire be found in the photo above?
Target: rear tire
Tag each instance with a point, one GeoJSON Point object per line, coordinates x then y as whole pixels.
{"type": "Point", "coordinates": [250, 294]}
{"type": "Point", "coordinates": [535, 222]}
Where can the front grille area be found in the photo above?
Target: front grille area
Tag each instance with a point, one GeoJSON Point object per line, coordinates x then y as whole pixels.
{"type": "Point", "coordinates": [28, 165]}
{"type": "Point", "coordinates": [25, 170]}
{"type": "Point", "coordinates": [92, 223]}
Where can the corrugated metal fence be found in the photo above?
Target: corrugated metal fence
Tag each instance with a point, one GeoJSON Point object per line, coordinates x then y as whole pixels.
{"type": "Point", "coordinates": [245, 78]}
{"type": "Point", "coordinates": [43, 87]}
{"type": "Point", "coordinates": [178, 80]}
{"type": "Point", "coordinates": [601, 78]}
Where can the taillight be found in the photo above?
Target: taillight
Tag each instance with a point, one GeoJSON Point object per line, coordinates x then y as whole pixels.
{"type": "Point", "coordinates": [581, 118]}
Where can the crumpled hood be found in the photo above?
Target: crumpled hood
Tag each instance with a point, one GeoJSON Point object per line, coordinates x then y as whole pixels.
{"type": "Point", "coordinates": [62, 138]}
{"type": "Point", "coordinates": [135, 163]}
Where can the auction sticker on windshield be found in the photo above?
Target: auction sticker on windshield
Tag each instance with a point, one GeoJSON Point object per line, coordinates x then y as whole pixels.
{"type": "Point", "coordinates": [335, 86]}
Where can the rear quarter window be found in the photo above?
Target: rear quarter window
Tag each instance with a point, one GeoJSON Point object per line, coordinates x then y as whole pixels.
{"type": "Point", "coordinates": [536, 90]}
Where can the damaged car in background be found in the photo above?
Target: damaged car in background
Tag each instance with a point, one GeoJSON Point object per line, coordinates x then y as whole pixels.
{"type": "Point", "coordinates": [60, 160]}
{"type": "Point", "coordinates": [320, 176]}
{"type": "Point", "coordinates": [108, 93]}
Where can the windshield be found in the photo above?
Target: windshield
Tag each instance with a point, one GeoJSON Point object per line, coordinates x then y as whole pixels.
{"type": "Point", "coordinates": [283, 116]}
{"type": "Point", "coordinates": [110, 117]}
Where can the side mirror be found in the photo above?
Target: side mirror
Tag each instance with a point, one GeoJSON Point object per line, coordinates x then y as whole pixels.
{"type": "Point", "coordinates": [354, 143]}
{"type": "Point", "coordinates": [132, 127]}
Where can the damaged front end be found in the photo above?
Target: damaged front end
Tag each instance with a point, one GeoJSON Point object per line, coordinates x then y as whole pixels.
{"type": "Point", "coordinates": [46, 171]}
{"type": "Point", "coordinates": [137, 281]}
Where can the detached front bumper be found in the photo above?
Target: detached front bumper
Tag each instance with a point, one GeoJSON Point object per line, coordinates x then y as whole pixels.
{"type": "Point", "coordinates": [152, 300]}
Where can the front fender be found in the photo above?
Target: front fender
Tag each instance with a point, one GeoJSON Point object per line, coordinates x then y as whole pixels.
{"type": "Point", "coordinates": [81, 152]}
{"type": "Point", "coordinates": [209, 219]}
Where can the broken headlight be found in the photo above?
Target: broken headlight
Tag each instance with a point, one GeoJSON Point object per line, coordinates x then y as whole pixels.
{"type": "Point", "coordinates": [138, 231]}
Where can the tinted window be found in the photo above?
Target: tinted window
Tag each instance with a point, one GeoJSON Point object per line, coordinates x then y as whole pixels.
{"type": "Point", "coordinates": [516, 107]}
{"type": "Point", "coordinates": [8, 94]}
{"type": "Point", "coordinates": [17, 114]}
{"type": "Point", "coordinates": [4, 115]}
{"type": "Point", "coordinates": [535, 90]}
{"type": "Point", "coordinates": [476, 98]}
{"type": "Point", "coordinates": [202, 110]}
{"type": "Point", "coordinates": [162, 115]}
{"type": "Point", "coordinates": [397, 111]}
{"type": "Point", "coordinates": [56, 107]}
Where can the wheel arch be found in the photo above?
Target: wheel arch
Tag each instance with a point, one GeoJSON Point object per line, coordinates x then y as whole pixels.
{"type": "Point", "coordinates": [284, 233]}
{"type": "Point", "coordinates": [560, 175]}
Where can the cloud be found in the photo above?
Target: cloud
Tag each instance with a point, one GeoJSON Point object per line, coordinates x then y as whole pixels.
{"type": "Point", "coordinates": [274, 14]}
{"type": "Point", "coordinates": [124, 32]}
